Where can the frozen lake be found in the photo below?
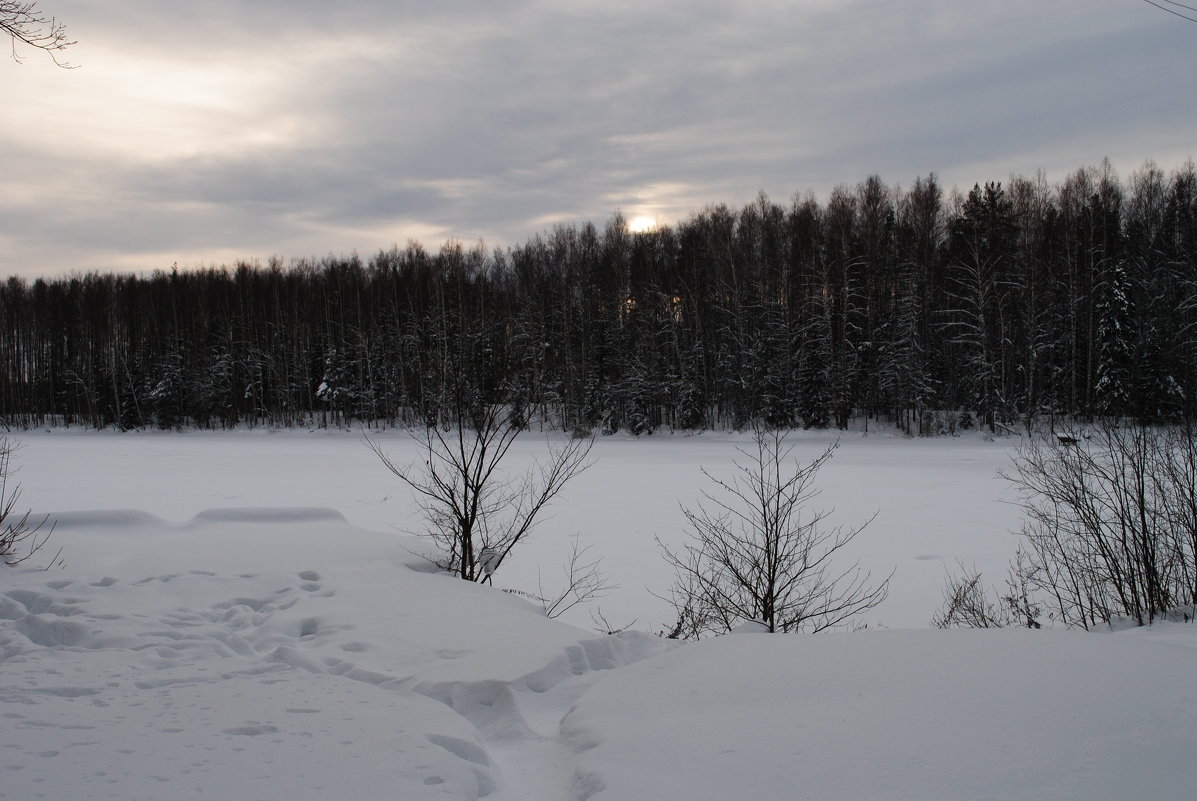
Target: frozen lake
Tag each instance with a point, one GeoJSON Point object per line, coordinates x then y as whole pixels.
{"type": "Point", "coordinates": [937, 500]}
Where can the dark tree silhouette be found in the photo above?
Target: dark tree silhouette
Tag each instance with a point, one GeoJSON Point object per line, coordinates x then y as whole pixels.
{"type": "Point", "coordinates": [883, 304]}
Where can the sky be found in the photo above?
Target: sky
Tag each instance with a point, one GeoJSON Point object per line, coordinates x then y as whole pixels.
{"type": "Point", "coordinates": [204, 134]}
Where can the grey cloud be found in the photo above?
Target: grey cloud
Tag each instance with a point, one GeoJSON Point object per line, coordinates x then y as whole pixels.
{"type": "Point", "coordinates": [488, 119]}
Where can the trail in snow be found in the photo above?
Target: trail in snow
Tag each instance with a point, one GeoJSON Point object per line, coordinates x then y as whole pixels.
{"type": "Point", "coordinates": [372, 678]}
{"type": "Point", "coordinates": [519, 721]}
{"type": "Point", "coordinates": [108, 692]}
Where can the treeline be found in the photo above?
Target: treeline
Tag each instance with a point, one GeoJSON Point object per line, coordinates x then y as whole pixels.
{"type": "Point", "coordinates": [902, 304]}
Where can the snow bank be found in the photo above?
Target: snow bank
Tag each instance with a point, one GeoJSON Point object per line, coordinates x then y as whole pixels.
{"type": "Point", "coordinates": [256, 653]}
{"type": "Point", "coordinates": [879, 715]}
{"type": "Point", "coordinates": [253, 514]}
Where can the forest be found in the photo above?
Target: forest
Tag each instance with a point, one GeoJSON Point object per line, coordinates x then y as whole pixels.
{"type": "Point", "coordinates": [927, 310]}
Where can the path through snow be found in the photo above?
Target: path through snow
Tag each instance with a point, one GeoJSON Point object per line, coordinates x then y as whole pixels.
{"type": "Point", "coordinates": [361, 678]}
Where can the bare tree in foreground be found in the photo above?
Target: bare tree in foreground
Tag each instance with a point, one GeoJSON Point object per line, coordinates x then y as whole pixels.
{"type": "Point", "coordinates": [21, 536]}
{"type": "Point", "coordinates": [476, 511]}
{"type": "Point", "coordinates": [1111, 523]}
{"type": "Point", "coordinates": [757, 552]}
{"type": "Point", "coordinates": [27, 25]}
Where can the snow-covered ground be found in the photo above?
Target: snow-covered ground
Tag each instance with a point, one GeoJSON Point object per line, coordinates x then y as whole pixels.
{"type": "Point", "coordinates": [239, 617]}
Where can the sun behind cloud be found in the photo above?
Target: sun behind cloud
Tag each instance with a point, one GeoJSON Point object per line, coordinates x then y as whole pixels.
{"type": "Point", "coordinates": [642, 223]}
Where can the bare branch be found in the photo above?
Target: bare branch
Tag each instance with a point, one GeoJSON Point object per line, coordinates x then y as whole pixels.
{"type": "Point", "coordinates": [20, 536]}
{"type": "Point", "coordinates": [1173, 11]}
{"type": "Point", "coordinates": [604, 626]}
{"type": "Point", "coordinates": [584, 582]}
{"type": "Point", "coordinates": [27, 25]}
{"type": "Point", "coordinates": [967, 603]}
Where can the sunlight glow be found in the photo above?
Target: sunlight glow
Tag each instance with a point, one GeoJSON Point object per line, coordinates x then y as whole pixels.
{"type": "Point", "coordinates": [641, 224]}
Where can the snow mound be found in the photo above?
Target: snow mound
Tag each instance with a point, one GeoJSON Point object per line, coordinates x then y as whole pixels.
{"type": "Point", "coordinates": [931, 715]}
{"type": "Point", "coordinates": [239, 660]}
{"type": "Point", "coordinates": [128, 519]}
{"type": "Point", "coordinates": [266, 514]}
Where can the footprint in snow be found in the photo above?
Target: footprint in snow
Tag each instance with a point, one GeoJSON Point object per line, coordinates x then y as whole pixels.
{"type": "Point", "coordinates": [311, 583]}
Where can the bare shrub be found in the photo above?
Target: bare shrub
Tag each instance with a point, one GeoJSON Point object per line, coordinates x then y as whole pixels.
{"type": "Point", "coordinates": [1111, 522]}
{"type": "Point", "coordinates": [476, 512]}
{"type": "Point", "coordinates": [756, 551]}
{"type": "Point", "coordinates": [968, 603]}
{"type": "Point", "coordinates": [21, 535]}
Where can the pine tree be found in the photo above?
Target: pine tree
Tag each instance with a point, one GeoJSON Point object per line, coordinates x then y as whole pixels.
{"type": "Point", "coordinates": [1116, 346]}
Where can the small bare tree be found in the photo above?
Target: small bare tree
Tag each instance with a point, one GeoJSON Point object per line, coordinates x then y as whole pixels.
{"type": "Point", "coordinates": [21, 536]}
{"type": "Point", "coordinates": [757, 552]}
{"type": "Point", "coordinates": [475, 511]}
{"type": "Point", "coordinates": [26, 24]}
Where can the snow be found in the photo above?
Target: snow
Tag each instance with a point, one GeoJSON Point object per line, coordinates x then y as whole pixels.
{"type": "Point", "coordinates": [938, 500]}
{"type": "Point", "coordinates": [239, 617]}
{"type": "Point", "coordinates": [910, 714]}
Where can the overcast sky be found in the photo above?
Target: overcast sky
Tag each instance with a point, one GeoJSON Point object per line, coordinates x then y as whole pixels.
{"type": "Point", "coordinates": [208, 132]}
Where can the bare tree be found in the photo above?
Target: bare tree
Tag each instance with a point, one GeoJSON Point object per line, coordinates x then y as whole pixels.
{"type": "Point", "coordinates": [757, 552]}
{"type": "Point", "coordinates": [476, 512]}
{"type": "Point", "coordinates": [1111, 522]}
{"type": "Point", "coordinates": [21, 536]}
{"type": "Point", "coordinates": [27, 25]}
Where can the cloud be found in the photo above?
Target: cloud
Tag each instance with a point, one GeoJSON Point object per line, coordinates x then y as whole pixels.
{"type": "Point", "coordinates": [195, 131]}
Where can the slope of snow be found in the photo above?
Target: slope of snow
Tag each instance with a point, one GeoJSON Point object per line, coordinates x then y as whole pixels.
{"type": "Point", "coordinates": [266, 653]}
{"type": "Point", "coordinates": [910, 714]}
{"type": "Point", "coordinates": [264, 646]}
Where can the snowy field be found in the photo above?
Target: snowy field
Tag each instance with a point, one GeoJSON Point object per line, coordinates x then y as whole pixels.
{"type": "Point", "coordinates": [937, 500]}
{"type": "Point", "coordinates": [241, 617]}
